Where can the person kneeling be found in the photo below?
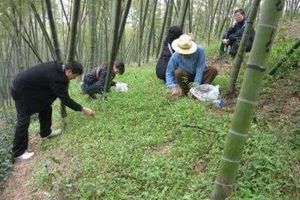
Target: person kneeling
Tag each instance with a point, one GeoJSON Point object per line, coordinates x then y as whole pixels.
{"type": "Point", "coordinates": [187, 65]}
{"type": "Point", "coordinates": [94, 81]}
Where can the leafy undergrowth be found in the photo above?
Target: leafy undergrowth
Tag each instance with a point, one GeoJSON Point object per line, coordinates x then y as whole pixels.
{"type": "Point", "coordinates": [145, 145]}
{"type": "Point", "coordinates": [7, 123]}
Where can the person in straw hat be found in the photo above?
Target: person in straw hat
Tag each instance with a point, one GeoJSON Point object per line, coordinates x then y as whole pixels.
{"type": "Point", "coordinates": [187, 65]}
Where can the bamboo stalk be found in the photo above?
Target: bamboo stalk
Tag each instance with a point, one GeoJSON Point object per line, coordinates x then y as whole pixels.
{"type": "Point", "coordinates": [224, 183]}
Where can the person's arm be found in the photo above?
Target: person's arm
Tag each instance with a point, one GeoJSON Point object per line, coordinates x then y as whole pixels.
{"type": "Point", "coordinates": [60, 89]}
{"type": "Point", "coordinates": [170, 76]}
{"type": "Point", "coordinates": [200, 66]}
{"type": "Point", "coordinates": [237, 35]}
{"type": "Point", "coordinates": [230, 31]}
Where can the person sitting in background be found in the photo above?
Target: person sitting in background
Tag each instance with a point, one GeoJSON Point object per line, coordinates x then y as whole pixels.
{"type": "Point", "coordinates": [34, 91]}
{"type": "Point", "coordinates": [234, 35]}
{"type": "Point", "coordinates": [187, 65]}
{"type": "Point", "coordinates": [173, 33]}
{"type": "Point", "coordinates": [94, 81]}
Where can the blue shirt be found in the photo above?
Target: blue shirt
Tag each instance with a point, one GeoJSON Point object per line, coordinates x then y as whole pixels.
{"type": "Point", "coordinates": [193, 64]}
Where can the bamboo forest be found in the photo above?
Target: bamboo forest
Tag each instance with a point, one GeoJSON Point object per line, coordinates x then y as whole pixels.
{"type": "Point", "coordinates": [160, 99]}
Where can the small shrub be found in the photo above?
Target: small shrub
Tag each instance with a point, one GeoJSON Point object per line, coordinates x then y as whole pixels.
{"type": "Point", "coordinates": [7, 123]}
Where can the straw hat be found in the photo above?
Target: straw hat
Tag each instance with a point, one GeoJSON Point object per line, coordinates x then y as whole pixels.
{"type": "Point", "coordinates": [184, 45]}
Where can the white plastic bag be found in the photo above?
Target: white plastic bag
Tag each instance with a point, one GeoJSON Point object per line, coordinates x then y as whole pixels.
{"type": "Point", "coordinates": [121, 87]}
{"type": "Point", "coordinates": [206, 92]}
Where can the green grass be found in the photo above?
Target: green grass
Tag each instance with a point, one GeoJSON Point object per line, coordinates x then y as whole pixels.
{"type": "Point", "coordinates": [137, 147]}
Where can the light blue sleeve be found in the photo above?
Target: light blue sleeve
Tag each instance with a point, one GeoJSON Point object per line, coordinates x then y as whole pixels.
{"type": "Point", "coordinates": [200, 66]}
{"type": "Point", "coordinates": [170, 72]}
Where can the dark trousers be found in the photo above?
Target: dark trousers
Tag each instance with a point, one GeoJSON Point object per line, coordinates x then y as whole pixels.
{"type": "Point", "coordinates": [161, 67]}
{"type": "Point", "coordinates": [183, 78]}
{"type": "Point", "coordinates": [234, 46]}
{"type": "Point", "coordinates": [20, 143]}
{"type": "Point", "coordinates": [223, 48]}
{"type": "Point", "coordinates": [92, 89]}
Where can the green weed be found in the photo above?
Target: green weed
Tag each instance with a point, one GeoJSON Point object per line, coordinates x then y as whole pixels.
{"type": "Point", "coordinates": [142, 144]}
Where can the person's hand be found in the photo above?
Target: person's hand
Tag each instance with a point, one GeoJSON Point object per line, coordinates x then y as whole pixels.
{"type": "Point", "coordinates": [177, 91]}
{"type": "Point", "coordinates": [88, 112]}
{"type": "Point", "coordinates": [225, 41]}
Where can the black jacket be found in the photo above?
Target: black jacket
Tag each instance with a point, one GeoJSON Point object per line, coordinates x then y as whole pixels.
{"type": "Point", "coordinates": [163, 60]}
{"type": "Point", "coordinates": [98, 74]}
{"type": "Point", "coordinates": [236, 32]}
{"type": "Point", "coordinates": [40, 85]}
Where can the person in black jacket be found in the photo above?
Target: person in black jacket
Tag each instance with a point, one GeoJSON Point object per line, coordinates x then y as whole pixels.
{"type": "Point", "coordinates": [34, 90]}
{"type": "Point", "coordinates": [173, 33]}
{"type": "Point", "coordinates": [234, 35]}
{"type": "Point", "coordinates": [94, 81]}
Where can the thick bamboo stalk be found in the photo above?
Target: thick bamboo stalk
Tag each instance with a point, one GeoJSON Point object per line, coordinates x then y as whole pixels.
{"type": "Point", "coordinates": [115, 24]}
{"type": "Point", "coordinates": [182, 13]}
{"type": "Point", "coordinates": [151, 31]}
{"type": "Point", "coordinates": [143, 15]}
{"type": "Point", "coordinates": [270, 14]}
{"type": "Point", "coordinates": [159, 45]}
{"type": "Point", "coordinates": [53, 31]}
{"type": "Point", "coordinates": [43, 28]}
{"type": "Point", "coordinates": [74, 23]}
{"type": "Point", "coordinates": [229, 8]}
{"type": "Point", "coordinates": [123, 23]}
{"type": "Point", "coordinates": [93, 29]}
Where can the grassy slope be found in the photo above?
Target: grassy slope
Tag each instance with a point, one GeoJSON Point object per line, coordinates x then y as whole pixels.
{"type": "Point", "coordinates": [136, 147]}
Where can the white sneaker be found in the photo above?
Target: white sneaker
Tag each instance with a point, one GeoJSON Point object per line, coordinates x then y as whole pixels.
{"type": "Point", "coordinates": [53, 134]}
{"type": "Point", "coordinates": [26, 155]}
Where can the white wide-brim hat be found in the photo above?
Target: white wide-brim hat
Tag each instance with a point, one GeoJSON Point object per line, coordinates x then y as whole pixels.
{"type": "Point", "coordinates": [184, 45]}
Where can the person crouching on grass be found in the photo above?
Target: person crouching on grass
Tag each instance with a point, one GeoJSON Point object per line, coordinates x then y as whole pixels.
{"type": "Point", "coordinates": [187, 65]}
{"type": "Point", "coordinates": [94, 81]}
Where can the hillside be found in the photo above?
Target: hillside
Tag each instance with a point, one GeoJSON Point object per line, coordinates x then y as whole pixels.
{"type": "Point", "coordinates": [145, 145]}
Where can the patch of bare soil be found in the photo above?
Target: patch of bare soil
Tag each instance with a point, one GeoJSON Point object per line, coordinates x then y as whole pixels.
{"type": "Point", "coordinates": [17, 187]}
{"type": "Point", "coordinates": [277, 102]}
{"type": "Point", "coordinates": [280, 102]}
{"type": "Point", "coordinates": [200, 166]}
{"type": "Point", "coordinates": [223, 65]}
{"type": "Point", "coordinates": [291, 28]}
{"type": "Point", "coordinates": [163, 149]}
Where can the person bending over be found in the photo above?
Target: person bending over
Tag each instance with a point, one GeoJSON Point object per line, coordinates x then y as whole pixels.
{"type": "Point", "coordinates": [34, 91]}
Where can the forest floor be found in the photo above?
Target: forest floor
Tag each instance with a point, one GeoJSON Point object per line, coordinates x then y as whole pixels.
{"type": "Point", "coordinates": [145, 145]}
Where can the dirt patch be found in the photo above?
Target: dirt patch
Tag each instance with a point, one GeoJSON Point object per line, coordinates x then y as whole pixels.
{"type": "Point", "coordinates": [17, 187]}
{"type": "Point", "coordinates": [276, 102]}
{"type": "Point", "coordinates": [223, 65]}
{"type": "Point", "coordinates": [280, 102]}
{"type": "Point", "coordinates": [200, 166]}
{"type": "Point", "coordinates": [291, 28]}
{"type": "Point", "coordinates": [163, 149]}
